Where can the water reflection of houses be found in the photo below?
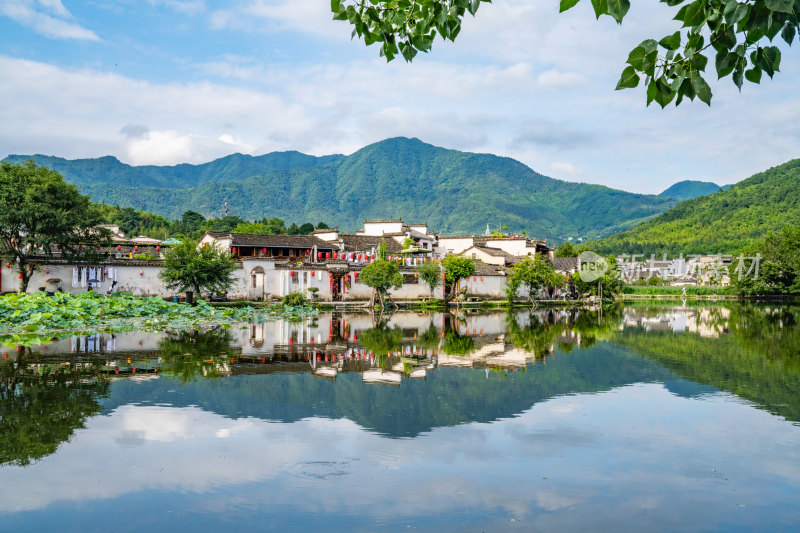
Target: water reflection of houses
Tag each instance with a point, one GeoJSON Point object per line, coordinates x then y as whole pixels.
{"type": "Point", "coordinates": [703, 321]}
{"type": "Point", "coordinates": [325, 345]}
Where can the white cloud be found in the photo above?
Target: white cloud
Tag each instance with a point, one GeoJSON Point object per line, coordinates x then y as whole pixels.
{"type": "Point", "coordinates": [46, 17]}
{"type": "Point", "coordinates": [553, 79]}
{"type": "Point", "coordinates": [280, 15]}
{"type": "Point", "coordinates": [564, 170]}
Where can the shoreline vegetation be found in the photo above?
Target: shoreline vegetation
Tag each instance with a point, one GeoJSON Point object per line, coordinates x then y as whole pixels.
{"type": "Point", "coordinates": [38, 316]}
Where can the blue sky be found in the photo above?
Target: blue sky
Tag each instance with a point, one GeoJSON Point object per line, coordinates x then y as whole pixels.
{"type": "Point", "coordinates": [172, 81]}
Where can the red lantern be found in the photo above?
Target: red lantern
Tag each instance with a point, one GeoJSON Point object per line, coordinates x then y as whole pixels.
{"type": "Point", "coordinates": [158, 248]}
{"type": "Point", "coordinates": [233, 250]}
{"type": "Point", "coordinates": [373, 257]}
{"type": "Point", "coordinates": [8, 265]}
{"type": "Point", "coordinates": [481, 278]}
{"type": "Point", "coordinates": [291, 273]}
{"type": "Point", "coordinates": [119, 247]}
{"type": "Point", "coordinates": [327, 255]}
{"type": "Point", "coordinates": [308, 252]}
{"type": "Point", "coordinates": [136, 248]}
{"type": "Point", "coordinates": [20, 275]}
{"type": "Point", "coordinates": [359, 257]}
{"type": "Point", "coordinates": [264, 251]}
{"type": "Point", "coordinates": [355, 274]}
{"type": "Point", "coordinates": [474, 278]}
{"type": "Point", "coordinates": [335, 255]}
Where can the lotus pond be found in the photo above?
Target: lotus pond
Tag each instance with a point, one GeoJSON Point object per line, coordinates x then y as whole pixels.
{"type": "Point", "coordinates": [644, 418]}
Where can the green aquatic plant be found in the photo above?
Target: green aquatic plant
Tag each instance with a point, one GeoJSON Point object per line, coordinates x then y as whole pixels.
{"type": "Point", "coordinates": [39, 313]}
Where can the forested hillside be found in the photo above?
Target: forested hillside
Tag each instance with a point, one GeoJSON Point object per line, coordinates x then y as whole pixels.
{"type": "Point", "coordinates": [721, 223]}
{"type": "Point", "coordinates": [453, 191]}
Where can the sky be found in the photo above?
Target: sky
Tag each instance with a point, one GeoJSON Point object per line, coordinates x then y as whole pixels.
{"type": "Point", "coordinates": [187, 81]}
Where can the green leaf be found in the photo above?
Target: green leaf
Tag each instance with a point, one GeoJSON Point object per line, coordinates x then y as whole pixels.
{"type": "Point", "coordinates": [600, 7]}
{"type": "Point", "coordinates": [629, 79]}
{"type": "Point", "coordinates": [636, 58]}
{"type": "Point", "coordinates": [567, 4]}
{"type": "Point", "coordinates": [788, 33]}
{"type": "Point", "coordinates": [700, 87]}
{"type": "Point", "coordinates": [618, 8]}
{"type": "Point", "coordinates": [695, 14]}
{"type": "Point", "coordinates": [671, 42]}
{"type": "Point", "coordinates": [782, 6]}
{"type": "Point", "coordinates": [725, 63]}
{"type": "Point", "coordinates": [753, 75]}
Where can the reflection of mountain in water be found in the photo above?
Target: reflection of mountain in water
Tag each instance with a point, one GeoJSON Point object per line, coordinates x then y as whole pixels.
{"type": "Point", "coordinates": [749, 350]}
{"type": "Point", "coordinates": [447, 397]}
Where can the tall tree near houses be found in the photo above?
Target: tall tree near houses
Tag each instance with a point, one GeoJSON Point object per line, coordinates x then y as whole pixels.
{"type": "Point", "coordinates": [381, 276]}
{"type": "Point", "coordinates": [42, 216]}
{"type": "Point", "coordinates": [456, 268]}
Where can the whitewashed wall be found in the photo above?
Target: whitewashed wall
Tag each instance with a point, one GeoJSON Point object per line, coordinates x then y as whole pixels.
{"type": "Point", "coordinates": [143, 280]}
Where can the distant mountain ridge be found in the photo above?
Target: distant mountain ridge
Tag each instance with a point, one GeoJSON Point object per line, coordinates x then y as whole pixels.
{"type": "Point", "coordinates": [109, 169]}
{"type": "Point", "coordinates": [688, 189]}
{"type": "Point", "coordinates": [453, 191]}
{"type": "Point", "coordinates": [723, 222]}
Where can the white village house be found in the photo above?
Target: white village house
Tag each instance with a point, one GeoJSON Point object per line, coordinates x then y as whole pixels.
{"type": "Point", "coordinates": [272, 266]}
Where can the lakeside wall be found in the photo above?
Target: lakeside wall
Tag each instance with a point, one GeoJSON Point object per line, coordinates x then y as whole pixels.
{"type": "Point", "coordinates": [254, 279]}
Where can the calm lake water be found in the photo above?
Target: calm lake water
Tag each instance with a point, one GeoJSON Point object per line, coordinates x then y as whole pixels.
{"type": "Point", "coordinates": [642, 418]}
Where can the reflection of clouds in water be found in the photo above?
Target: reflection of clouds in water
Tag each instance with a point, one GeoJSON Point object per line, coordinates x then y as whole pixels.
{"type": "Point", "coordinates": [614, 454]}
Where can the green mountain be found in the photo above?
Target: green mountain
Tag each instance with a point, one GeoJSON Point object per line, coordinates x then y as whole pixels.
{"type": "Point", "coordinates": [453, 191]}
{"type": "Point", "coordinates": [688, 189]}
{"type": "Point", "coordinates": [721, 223]}
{"type": "Point", "coordinates": [109, 170]}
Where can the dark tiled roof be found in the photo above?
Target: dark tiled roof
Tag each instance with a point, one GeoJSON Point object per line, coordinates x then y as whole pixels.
{"type": "Point", "coordinates": [326, 230]}
{"type": "Point", "coordinates": [482, 269]}
{"type": "Point", "coordinates": [564, 264]}
{"type": "Point", "coordinates": [496, 252]}
{"type": "Point", "coordinates": [275, 241]}
{"type": "Point", "coordinates": [362, 243]}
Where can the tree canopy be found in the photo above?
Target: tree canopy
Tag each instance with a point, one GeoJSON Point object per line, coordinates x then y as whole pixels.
{"type": "Point", "coordinates": [456, 268]}
{"type": "Point", "coordinates": [533, 273]}
{"type": "Point", "coordinates": [671, 67]}
{"type": "Point", "coordinates": [43, 215]}
{"type": "Point", "coordinates": [189, 266]}
{"type": "Point", "coordinates": [382, 276]}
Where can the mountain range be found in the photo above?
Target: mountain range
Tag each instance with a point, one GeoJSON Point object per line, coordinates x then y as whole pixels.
{"type": "Point", "coordinates": [453, 191]}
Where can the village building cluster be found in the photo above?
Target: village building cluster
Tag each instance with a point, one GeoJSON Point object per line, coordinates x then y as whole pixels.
{"type": "Point", "coordinates": [324, 266]}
